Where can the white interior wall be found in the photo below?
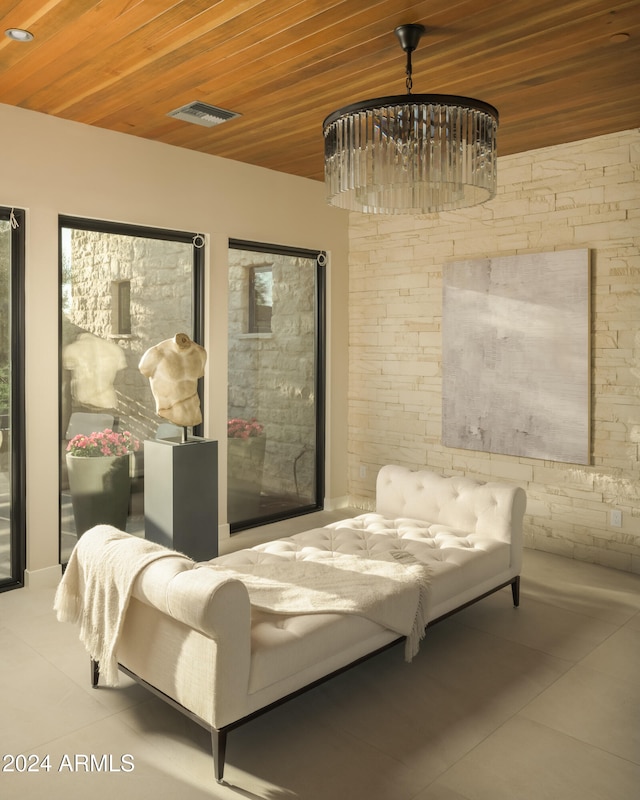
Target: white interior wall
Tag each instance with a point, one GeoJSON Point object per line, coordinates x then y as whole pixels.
{"type": "Point", "coordinates": [53, 167]}
{"type": "Point", "coordinates": [582, 194]}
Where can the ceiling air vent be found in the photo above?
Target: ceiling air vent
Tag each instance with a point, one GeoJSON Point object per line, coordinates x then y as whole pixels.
{"type": "Point", "coordinates": [202, 114]}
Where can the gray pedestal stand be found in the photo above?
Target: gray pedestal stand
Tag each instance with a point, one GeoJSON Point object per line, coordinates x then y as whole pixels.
{"type": "Point", "coordinates": [181, 495]}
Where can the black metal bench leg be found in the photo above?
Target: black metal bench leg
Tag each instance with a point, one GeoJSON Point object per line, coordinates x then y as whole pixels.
{"type": "Point", "coordinates": [515, 591]}
{"type": "Point", "coordinates": [95, 673]}
{"type": "Point", "coordinates": [219, 748]}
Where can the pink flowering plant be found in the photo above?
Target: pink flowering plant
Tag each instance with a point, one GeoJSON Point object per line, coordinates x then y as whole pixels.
{"type": "Point", "coordinates": [244, 428]}
{"type": "Point", "coordinates": [103, 443]}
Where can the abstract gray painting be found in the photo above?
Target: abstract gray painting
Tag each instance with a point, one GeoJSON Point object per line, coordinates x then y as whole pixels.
{"type": "Point", "coordinates": [516, 355]}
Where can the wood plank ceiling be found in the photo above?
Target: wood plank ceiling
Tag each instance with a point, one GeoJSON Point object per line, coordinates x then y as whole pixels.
{"type": "Point", "coordinates": [557, 70]}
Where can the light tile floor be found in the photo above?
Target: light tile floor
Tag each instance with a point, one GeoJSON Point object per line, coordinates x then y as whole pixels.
{"type": "Point", "coordinates": [542, 702]}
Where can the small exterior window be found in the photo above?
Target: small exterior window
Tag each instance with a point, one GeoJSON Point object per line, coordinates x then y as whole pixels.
{"type": "Point", "coordinates": [260, 299]}
{"type": "Point", "coordinates": [121, 307]}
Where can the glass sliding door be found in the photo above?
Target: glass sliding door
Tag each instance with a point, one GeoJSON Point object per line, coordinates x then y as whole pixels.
{"type": "Point", "coordinates": [275, 444]}
{"type": "Point", "coordinates": [123, 290]}
{"type": "Point", "coordinates": [12, 497]}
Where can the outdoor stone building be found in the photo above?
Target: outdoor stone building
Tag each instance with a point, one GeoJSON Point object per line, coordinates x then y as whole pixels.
{"type": "Point", "coordinates": [272, 373]}
{"type": "Point", "coordinates": [132, 293]}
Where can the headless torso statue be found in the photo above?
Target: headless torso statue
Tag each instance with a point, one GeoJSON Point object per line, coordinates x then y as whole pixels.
{"type": "Point", "coordinates": [173, 368]}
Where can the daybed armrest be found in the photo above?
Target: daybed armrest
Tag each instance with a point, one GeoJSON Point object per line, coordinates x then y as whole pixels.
{"type": "Point", "coordinates": [188, 633]}
{"type": "Point", "coordinates": [199, 598]}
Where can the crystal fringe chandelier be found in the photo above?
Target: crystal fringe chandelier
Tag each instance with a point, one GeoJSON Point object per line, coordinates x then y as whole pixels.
{"type": "Point", "coordinates": [413, 153]}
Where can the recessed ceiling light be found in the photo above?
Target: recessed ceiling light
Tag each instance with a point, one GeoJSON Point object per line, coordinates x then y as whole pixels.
{"type": "Point", "coordinates": [19, 34]}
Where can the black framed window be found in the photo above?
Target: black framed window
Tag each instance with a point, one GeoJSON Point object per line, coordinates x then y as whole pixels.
{"type": "Point", "coordinates": [123, 290]}
{"type": "Point", "coordinates": [276, 340]}
{"type": "Point", "coordinates": [12, 427]}
{"type": "Point", "coordinates": [260, 300]}
{"type": "Point", "coordinates": [121, 307]}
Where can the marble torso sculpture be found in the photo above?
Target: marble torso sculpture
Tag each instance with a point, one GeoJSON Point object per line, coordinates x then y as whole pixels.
{"type": "Point", "coordinates": [173, 368]}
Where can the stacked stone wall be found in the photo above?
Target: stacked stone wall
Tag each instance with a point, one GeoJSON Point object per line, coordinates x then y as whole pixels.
{"type": "Point", "coordinates": [580, 195]}
{"type": "Point", "coordinates": [272, 375]}
{"type": "Point", "coordinates": [160, 275]}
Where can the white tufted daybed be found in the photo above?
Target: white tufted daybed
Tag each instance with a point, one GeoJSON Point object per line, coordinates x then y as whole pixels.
{"type": "Point", "coordinates": [191, 636]}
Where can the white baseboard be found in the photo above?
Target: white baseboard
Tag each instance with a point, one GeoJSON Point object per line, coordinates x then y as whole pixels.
{"type": "Point", "coordinates": [224, 531]}
{"type": "Point", "coordinates": [42, 578]}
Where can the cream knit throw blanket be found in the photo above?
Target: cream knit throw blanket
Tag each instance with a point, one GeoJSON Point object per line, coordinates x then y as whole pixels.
{"type": "Point", "coordinates": [390, 589]}
{"type": "Point", "coordinates": [96, 587]}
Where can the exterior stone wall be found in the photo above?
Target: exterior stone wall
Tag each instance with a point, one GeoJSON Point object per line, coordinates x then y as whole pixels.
{"type": "Point", "coordinates": [160, 275]}
{"type": "Point", "coordinates": [583, 194]}
{"type": "Point", "coordinates": [272, 375]}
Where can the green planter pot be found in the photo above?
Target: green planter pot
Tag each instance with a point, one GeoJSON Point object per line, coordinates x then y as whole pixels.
{"type": "Point", "coordinates": [100, 490]}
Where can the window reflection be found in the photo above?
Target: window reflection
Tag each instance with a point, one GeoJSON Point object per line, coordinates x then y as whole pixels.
{"type": "Point", "coordinates": [5, 399]}
{"type": "Point", "coordinates": [275, 411]}
{"type": "Point", "coordinates": [122, 291]}
{"type": "Point", "coordinates": [12, 464]}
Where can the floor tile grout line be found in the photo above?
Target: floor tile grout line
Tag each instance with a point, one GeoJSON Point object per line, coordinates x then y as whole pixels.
{"type": "Point", "coordinates": [581, 742]}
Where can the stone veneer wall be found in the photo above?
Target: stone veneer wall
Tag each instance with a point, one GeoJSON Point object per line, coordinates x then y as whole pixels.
{"type": "Point", "coordinates": [160, 272]}
{"type": "Point", "coordinates": [583, 194]}
{"type": "Point", "coordinates": [272, 376]}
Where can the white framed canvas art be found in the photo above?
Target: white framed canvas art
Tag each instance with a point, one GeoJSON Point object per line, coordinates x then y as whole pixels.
{"type": "Point", "coordinates": [516, 355]}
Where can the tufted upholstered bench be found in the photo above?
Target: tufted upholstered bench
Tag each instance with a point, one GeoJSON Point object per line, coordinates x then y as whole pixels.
{"type": "Point", "coordinates": [192, 637]}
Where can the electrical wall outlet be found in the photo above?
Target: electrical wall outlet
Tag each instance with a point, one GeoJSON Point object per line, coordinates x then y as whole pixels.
{"type": "Point", "coordinates": [615, 518]}
{"type": "Point", "coordinates": [363, 471]}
